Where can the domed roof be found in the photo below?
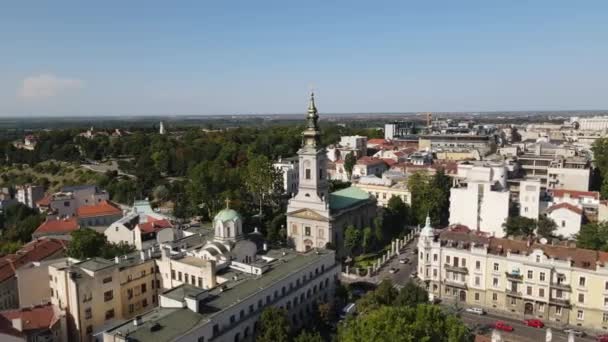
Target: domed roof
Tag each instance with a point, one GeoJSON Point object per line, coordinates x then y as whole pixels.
{"type": "Point", "coordinates": [227, 215]}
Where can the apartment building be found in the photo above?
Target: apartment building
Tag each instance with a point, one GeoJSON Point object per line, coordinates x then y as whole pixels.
{"type": "Point", "coordinates": [525, 279]}
{"type": "Point", "coordinates": [289, 171]}
{"type": "Point", "coordinates": [383, 189]}
{"type": "Point", "coordinates": [29, 194]}
{"type": "Point", "coordinates": [230, 312]}
{"type": "Point", "coordinates": [98, 292]}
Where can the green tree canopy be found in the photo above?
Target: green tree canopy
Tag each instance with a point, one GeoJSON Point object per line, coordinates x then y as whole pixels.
{"type": "Point", "coordinates": [545, 227]}
{"type": "Point", "coordinates": [87, 243]}
{"type": "Point", "coordinates": [411, 295]}
{"type": "Point", "coordinates": [407, 324]}
{"type": "Point", "coordinates": [519, 226]}
{"type": "Point", "coordinates": [274, 326]}
{"type": "Point", "coordinates": [593, 236]}
{"type": "Point", "coordinates": [430, 196]}
{"type": "Point", "coordinates": [349, 163]}
{"type": "Point", "coordinates": [352, 239]}
{"type": "Point", "coordinates": [308, 336]}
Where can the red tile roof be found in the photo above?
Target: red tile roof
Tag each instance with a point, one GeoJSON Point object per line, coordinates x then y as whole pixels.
{"type": "Point", "coordinates": [103, 208]}
{"type": "Point", "coordinates": [388, 161]}
{"type": "Point", "coordinates": [575, 194]}
{"type": "Point", "coordinates": [369, 161]}
{"type": "Point", "coordinates": [154, 225]}
{"type": "Point", "coordinates": [57, 226]}
{"type": "Point", "coordinates": [377, 141]}
{"type": "Point", "coordinates": [34, 318]}
{"type": "Point", "coordinates": [36, 250]}
{"type": "Point", "coordinates": [45, 201]}
{"type": "Point", "coordinates": [565, 206]}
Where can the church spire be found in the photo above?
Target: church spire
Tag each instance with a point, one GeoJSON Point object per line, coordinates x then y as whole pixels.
{"type": "Point", "coordinates": [312, 135]}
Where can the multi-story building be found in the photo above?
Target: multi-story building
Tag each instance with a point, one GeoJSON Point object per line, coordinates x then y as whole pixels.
{"type": "Point", "coordinates": [363, 167]}
{"type": "Point", "coordinates": [383, 189]}
{"type": "Point", "coordinates": [99, 215]}
{"type": "Point", "coordinates": [289, 170]}
{"type": "Point", "coordinates": [141, 229]}
{"type": "Point", "coordinates": [530, 198]}
{"type": "Point", "coordinates": [30, 194]}
{"type": "Point", "coordinates": [34, 251]}
{"type": "Point", "coordinates": [98, 292]}
{"type": "Point", "coordinates": [480, 199]}
{"type": "Point", "coordinates": [556, 171]}
{"type": "Point", "coordinates": [230, 312]}
{"type": "Point", "coordinates": [595, 123]}
{"type": "Point", "coordinates": [86, 194]}
{"type": "Point", "coordinates": [525, 279]}
{"type": "Point", "coordinates": [37, 323]}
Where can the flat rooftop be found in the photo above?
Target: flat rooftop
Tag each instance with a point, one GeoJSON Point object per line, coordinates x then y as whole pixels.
{"type": "Point", "coordinates": [176, 322]}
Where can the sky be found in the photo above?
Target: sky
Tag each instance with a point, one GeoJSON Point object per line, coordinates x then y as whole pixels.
{"type": "Point", "coordinates": [201, 57]}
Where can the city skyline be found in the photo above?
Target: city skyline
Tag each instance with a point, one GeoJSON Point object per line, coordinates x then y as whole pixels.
{"type": "Point", "coordinates": [209, 58]}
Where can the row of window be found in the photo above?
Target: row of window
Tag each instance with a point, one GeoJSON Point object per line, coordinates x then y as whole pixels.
{"type": "Point", "coordinates": [188, 279]}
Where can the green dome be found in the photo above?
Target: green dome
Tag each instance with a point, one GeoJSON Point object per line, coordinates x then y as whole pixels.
{"type": "Point", "coordinates": [227, 215]}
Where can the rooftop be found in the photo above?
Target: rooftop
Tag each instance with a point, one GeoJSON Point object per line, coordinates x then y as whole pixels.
{"type": "Point", "coordinates": [567, 206]}
{"type": "Point", "coordinates": [175, 322]}
{"type": "Point", "coordinates": [347, 197]}
{"type": "Point", "coordinates": [57, 226]}
{"type": "Point", "coordinates": [103, 208]}
{"type": "Point", "coordinates": [34, 318]}
{"type": "Point", "coordinates": [37, 250]}
{"type": "Point", "coordinates": [575, 193]}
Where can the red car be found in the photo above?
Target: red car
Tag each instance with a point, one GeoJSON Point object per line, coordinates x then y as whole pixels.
{"type": "Point", "coordinates": [602, 338]}
{"type": "Point", "coordinates": [536, 323]}
{"type": "Point", "coordinates": [503, 326]}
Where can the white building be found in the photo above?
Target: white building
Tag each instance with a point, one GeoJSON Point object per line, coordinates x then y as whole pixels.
{"type": "Point", "coordinates": [482, 206]}
{"type": "Point", "coordinates": [529, 198]}
{"type": "Point", "coordinates": [567, 217]}
{"type": "Point", "coordinates": [596, 123]}
{"type": "Point", "coordinates": [29, 194]}
{"type": "Point", "coordinates": [289, 170]}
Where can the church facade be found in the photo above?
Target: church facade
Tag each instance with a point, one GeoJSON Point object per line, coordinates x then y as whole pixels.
{"type": "Point", "coordinates": [316, 218]}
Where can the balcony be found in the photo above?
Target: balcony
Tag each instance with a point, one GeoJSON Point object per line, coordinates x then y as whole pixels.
{"type": "Point", "coordinates": [455, 284]}
{"type": "Point", "coordinates": [560, 301]}
{"type": "Point", "coordinates": [513, 276]}
{"type": "Point", "coordinates": [561, 286]}
{"type": "Point", "coordinates": [456, 269]}
{"type": "Point", "coordinates": [513, 293]}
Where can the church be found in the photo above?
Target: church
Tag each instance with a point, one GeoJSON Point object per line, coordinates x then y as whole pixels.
{"type": "Point", "coordinates": [315, 217]}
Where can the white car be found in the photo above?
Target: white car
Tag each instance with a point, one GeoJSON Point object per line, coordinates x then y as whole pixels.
{"type": "Point", "coordinates": [575, 332]}
{"type": "Point", "coordinates": [392, 270]}
{"type": "Point", "coordinates": [477, 311]}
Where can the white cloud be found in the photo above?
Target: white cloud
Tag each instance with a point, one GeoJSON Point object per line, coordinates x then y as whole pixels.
{"type": "Point", "coordinates": [47, 85]}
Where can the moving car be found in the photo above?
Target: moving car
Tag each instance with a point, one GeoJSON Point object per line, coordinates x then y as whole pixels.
{"type": "Point", "coordinates": [503, 326]}
{"type": "Point", "coordinates": [414, 275]}
{"type": "Point", "coordinates": [536, 323]}
{"type": "Point", "coordinates": [392, 270]}
{"type": "Point", "coordinates": [404, 261]}
{"type": "Point", "coordinates": [477, 311]}
{"type": "Point", "coordinates": [575, 332]}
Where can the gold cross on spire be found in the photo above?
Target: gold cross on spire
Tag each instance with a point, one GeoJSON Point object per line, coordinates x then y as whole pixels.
{"type": "Point", "coordinates": [227, 203]}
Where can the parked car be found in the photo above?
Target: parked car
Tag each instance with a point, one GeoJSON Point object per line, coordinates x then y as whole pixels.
{"type": "Point", "coordinates": [404, 261]}
{"type": "Point", "coordinates": [477, 311]}
{"type": "Point", "coordinates": [392, 270]}
{"type": "Point", "coordinates": [602, 338]}
{"type": "Point", "coordinates": [414, 275]}
{"type": "Point", "coordinates": [536, 323]}
{"type": "Point", "coordinates": [575, 332]}
{"type": "Point", "coordinates": [503, 326]}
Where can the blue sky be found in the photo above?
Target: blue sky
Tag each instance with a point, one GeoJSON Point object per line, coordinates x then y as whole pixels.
{"type": "Point", "coordinates": [229, 57]}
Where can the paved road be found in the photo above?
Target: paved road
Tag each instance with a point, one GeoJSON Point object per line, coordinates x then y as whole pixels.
{"type": "Point", "coordinates": [402, 276]}
{"type": "Point", "coordinates": [521, 332]}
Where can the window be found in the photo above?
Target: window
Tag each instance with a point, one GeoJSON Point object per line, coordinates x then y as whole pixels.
{"type": "Point", "coordinates": [192, 279]}
{"type": "Point", "coordinates": [563, 223]}
{"type": "Point", "coordinates": [143, 288]}
{"type": "Point", "coordinates": [581, 297]}
{"type": "Point", "coordinates": [173, 274]}
{"type": "Point", "coordinates": [495, 266]}
{"type": "Point", "coordinates": [605, 318]}
{"type": "Point", "coordinates": [495, 282]}
{"type": "Point", "coordinates": [447, 259]}
{"type": "Point", "coordinates": [107, 280]}
{"type": "Point", "coordinates": [541, 307]}
{"type": "Point", "coordinates": [434, 273]}
{"type": "Point", "coordinates": [530, 275]}
{"type": "Point", "coordinates": [477, 281]}
{"type": "Point", "coordinates": [538, 258]}
{"type": "Point", "coordinates": [129, 293]}
{"type": "Point", "coordinates": [434, 257]}
{"type": "Point", "coordinates": [144, 302]}
{"type": "Point", "coordinates": [88, 313]}
{"type": "Point", "coordinates": [581, 281]}
{"type": "Point", "coordinates": [307, 231]}
{"type": "Point", "coordinates": [580, 315]}
{"type": "Point", "coordinates": [606, 286]}
{"type": "Point", "coordinates": [541, 292]}
{"type": "Point", "coordinates": [513, 301]}
{"type": "Point", "coordinates": [529, 290]}
{"type": "Point", "coordinates": [542, 276]}
{"type": "Point", "coordinates": [89, 329]}
{"type": "Point", "coordinates": [307, 173]}
{"type": "Point", "coordinates": [109, 314]}
{"type": "Point", "coordinates": [494, 296]}
{"type": "Point", "coordinates": [605, 301]}
{"type": "Point", "coordinates": [179, 276]}
{"type": "Point", "coordinates": [558, 310]}
{"type": "Point", "coordinates": [477, 265]}
{"type": "Point", "coordinates": [464, 262]}
{"type": "Point", "coordinates": [200, 282]}
{"type": "Point", "coordinates": [476, 296]}
{"type": "Point", "coordinates": [108, 296]}
{"type": "Point", "coordinates": [558, 293]}
{"type": "Point", "coordinates": [131, 308]}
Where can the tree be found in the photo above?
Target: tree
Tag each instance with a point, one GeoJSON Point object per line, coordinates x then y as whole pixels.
{"type": "Point", "coordinates": [430, 196]}
{"type": "Point", "coordinates": [274, 326]}
{"type": "Point", "coordinates": [368, 239]}
{"type": "Point", "coordinates": [411, 295]}
{"type": "Point", "coordinates": [395, 217]}
{"type": "Point", "coordinates": [261, 178]}
{"type": "Point", "coordinates": [308, 336]}
{"type": "Point", "coordinates": [160, 193]}
{"type": "Point", "coordinates": [384, 294]}
{"type": "Point", "coordinates": [86, 243]}
{"type": "Point", "coordinates": [422, 323]}
{"type": "Point", "coordinates": [600, 154]}
{"type": "Point", "coordinates": [519, 226]}
{"type": "Point", "coordinates": [327, 314]}
{"type": "Point", "coordinates": [545, 227]}
{"type": "Point", "coordinates": [352, 239]}
{"type": "Point", "coordinates": [349, 163]}
{"type": "Point", "coordinates": [593, 236]}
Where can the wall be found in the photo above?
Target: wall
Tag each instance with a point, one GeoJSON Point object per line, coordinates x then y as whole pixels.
{"type": "Point", "coordinates": [568, 222]}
